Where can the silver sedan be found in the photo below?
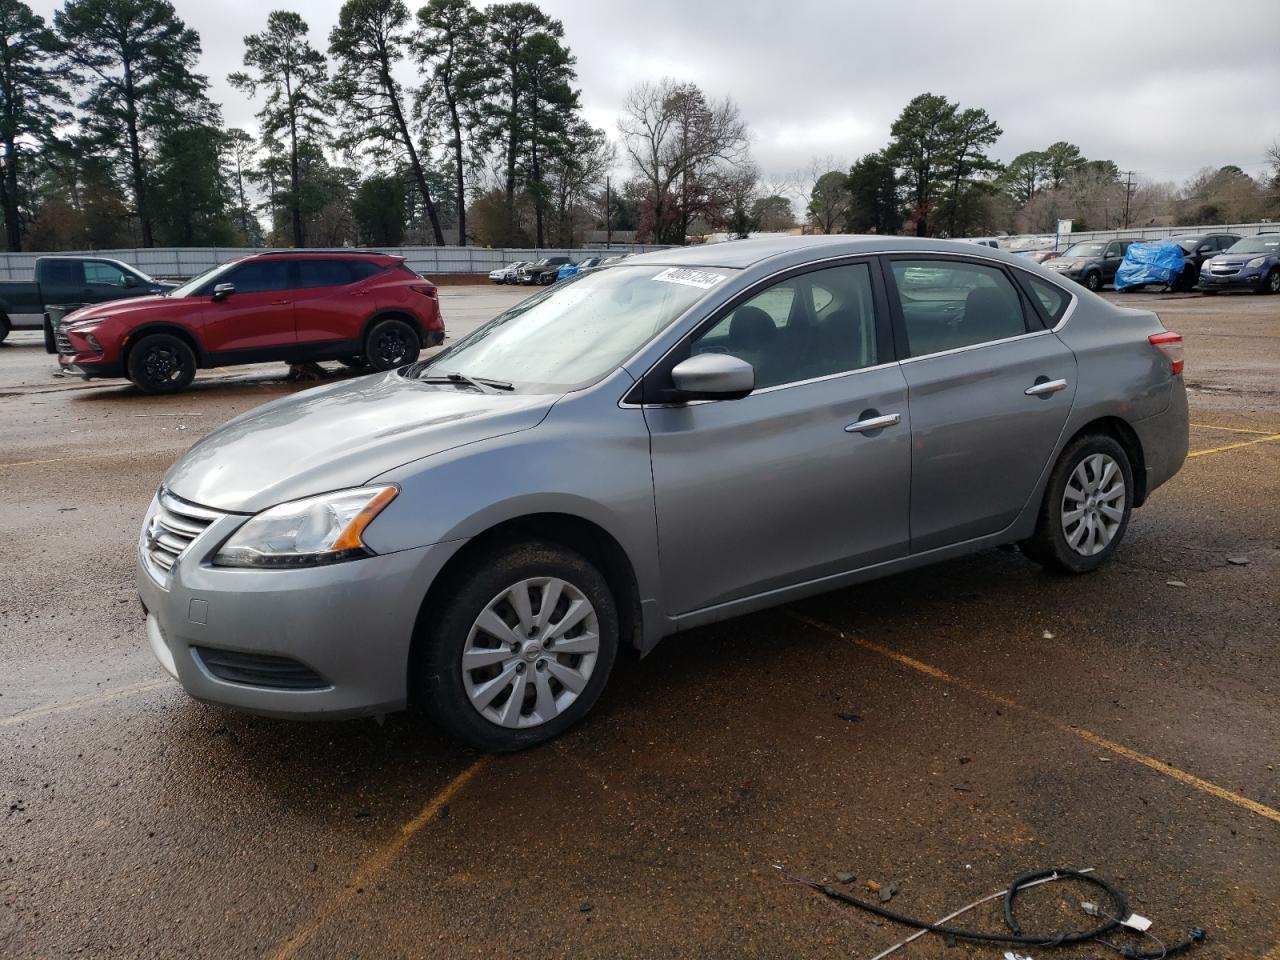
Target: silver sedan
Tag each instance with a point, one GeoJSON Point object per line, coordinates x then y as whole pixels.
{"type": "Point", "coordinates": [683, 437]}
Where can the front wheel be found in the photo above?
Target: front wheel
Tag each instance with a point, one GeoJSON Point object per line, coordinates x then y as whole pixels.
{"type": "Point", "coordinates": [1086, 506]}
{"type": "Point", "coordinates": [391, 343]}
{"type": "Point", "coordinates": [521, 647]}
{"type": "Point", "coordinates": [161, 363]}
{"type": "Point", "coordinates": [1093, 281]}
{"type": "Point", "coordinates": [5, 327]}
{"type": "Point", "coordinates": [1272, 284]}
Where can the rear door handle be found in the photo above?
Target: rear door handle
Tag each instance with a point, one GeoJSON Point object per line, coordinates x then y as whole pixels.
{"type": "Point", "coordinates": [1045, 387]}
{"type": "Point", "coordinates": [873, 423]}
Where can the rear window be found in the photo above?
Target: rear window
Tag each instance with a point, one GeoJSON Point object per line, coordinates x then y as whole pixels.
{"type": "Point", "coordinates": [363, 269]}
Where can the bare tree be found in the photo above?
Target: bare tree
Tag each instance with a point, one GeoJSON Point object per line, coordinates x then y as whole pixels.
{"type": "Point", "coordinates": [677, 139]}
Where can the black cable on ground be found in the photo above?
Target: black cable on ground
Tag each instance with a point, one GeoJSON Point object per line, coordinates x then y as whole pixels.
{"type": "Point", "coordinates": [1120, 908]}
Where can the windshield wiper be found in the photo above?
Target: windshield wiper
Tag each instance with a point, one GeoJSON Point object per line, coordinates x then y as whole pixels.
{"type": "Point", "coordinates": [478, 382]}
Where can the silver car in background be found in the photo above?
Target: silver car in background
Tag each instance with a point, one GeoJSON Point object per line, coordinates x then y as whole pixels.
{"type": "Point", "coordinates": [687, 436]}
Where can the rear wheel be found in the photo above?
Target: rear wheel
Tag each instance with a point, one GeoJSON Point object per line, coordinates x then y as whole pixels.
{"type": "Point", "coordinates": [521, 647]}
{"type": "Point", "coordinates": [161, 363]}
{"type": "Point", "coordinates": [5, 327]}
{"type": "Point", "coordinates": [391, 343]}
{"type": "Point", "coordinates": [1086, 506]}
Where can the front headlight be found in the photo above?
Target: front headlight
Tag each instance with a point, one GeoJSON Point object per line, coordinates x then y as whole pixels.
{"type": "Point", "coordinates": [307, 533]}
{"type": "Point", "coordinates": [1256, 262]}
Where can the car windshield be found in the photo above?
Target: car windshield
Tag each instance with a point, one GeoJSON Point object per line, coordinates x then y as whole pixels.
{"type": "Point", "coordinates": [1189, 244]}
{"type": "Point", "coordinates": [199, 280]}
{"type": "Point", "coordinates": [1268, 244]}
{"type": "Point", "coordinates": [576, 332]}
{"type": "Point", "coordinates": [1086, 250]}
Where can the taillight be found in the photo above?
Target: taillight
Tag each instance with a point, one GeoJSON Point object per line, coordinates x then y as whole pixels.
{"type": "Point", "coordinates": [424, 289]}
{"type": "Point", "coordinates": [1170, 344]}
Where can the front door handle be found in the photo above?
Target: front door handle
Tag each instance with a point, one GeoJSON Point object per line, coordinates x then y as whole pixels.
{"type": "Point", "coordinates": [873, 423]}
{"type": "Point", "coordinates": [1043, 387]}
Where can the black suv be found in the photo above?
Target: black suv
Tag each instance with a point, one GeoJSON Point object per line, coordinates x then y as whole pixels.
{"type": "Point", "coordinates": [1091, 263]}
{"type": "Point", "coordinates": [1196, 249]}
{"type": "Point", "coordinates": [543, 272]}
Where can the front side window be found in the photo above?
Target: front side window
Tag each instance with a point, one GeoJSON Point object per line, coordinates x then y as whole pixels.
{"type": "Point", "coordinates": [577, 332]}
{"type": "Point", "coordinates": [813, 325]}
{"type": "Point", "coordinates": [101, 274]}
{"type": "Point", "coordinates": [951, 304]}
{"type": "Point", "coordinates": [261, 276]}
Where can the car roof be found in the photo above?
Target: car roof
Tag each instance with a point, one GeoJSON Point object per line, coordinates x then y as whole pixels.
{"type": "Point", "coordinates": [339, 252]}
{"type": "Point", "coordinates": [740, 254]}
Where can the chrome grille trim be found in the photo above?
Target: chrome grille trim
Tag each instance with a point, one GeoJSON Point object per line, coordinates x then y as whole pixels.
{"type": "Point", "coordinates": [173, 526]}
{"type": "Point", "coordinates": [61, 340]}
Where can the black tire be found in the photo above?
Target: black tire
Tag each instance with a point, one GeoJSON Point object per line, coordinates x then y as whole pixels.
{"type": "Point", "coordinates": [1049, 545]}
{"type": "Point", "coordinates": [1272, 284]}
{"type": "Point", "coordinates": [161, 363]}
{"type": "Point", "coordinates": [439, 685]}
{"type": "Point", "coordinates": [391, 343]}
{"type": "Point", "coordinates": [5, 327]}
{"type": "Point", "coordinates": [355, 363]}
{"type": "Point", "coordinates": [1093, 281]}
{"type": "Point", "coordinates": [1210, 293]}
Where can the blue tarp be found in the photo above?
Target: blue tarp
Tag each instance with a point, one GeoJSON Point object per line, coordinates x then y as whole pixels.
{"type": "Point", "coordinates": [1150, 263]}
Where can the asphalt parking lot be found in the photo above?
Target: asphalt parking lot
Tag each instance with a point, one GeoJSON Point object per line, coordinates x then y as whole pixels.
{"type": "Point", "coordinates": [944, 730]}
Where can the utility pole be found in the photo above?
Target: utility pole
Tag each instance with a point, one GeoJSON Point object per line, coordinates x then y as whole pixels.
{"type": "Point", "coordinates": [1128, 195]}
{"type": "Point", "coordinates": [608, 216]}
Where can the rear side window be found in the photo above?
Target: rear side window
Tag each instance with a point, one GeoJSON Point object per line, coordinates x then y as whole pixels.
{"type": "Point", "coordinates": [323, 273]}
{"type": "Point", "coordinates": [362, 269]}
{"type": "Point", "coordinates": [1052, 298]}
{"type": "Point", "coordinates": [951, 304]}
{"type": "Point", "coordinates": [64, 272]}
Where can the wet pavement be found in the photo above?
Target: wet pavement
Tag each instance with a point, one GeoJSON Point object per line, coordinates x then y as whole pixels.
{"type": "Point", "coordinates": [945, 730]}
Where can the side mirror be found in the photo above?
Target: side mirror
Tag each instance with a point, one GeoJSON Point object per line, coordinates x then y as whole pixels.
{"type": "Point", "coordinates": [130, 280]}
{"type": "Point", "coordinates": [713, 376]}
{"type": "Point", "coordinates": [222, 291]}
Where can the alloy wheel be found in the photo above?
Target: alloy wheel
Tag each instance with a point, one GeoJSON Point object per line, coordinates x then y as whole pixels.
{"type": "Point", "coordinates": [162, 365]}
{"type": "Point", "coordinates": [1273, 281]}
{"type": "Point", "coordinates": [530, 652]}
{"type": "Point", "coordinates": [392, 346]}
{"type": "Point", "coordinates": [1093, 504]}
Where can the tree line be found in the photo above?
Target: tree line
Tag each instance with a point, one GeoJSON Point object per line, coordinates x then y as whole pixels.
{"type": "Point", "coordinates": [108, 136]}
{"type": "Point", "coordinates": [451, 124]}
{"type": "Point", "coordinates": [936, 177]}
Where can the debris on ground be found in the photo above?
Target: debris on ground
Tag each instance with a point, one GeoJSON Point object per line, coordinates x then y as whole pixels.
{"type": "Point", "coordinates": [1238, 561]}
{"type": "Point", "coordinates": [845, 877]}
{"type": "Point", "coordinates": [586, 907]}
{"type": "Point", "coordinates": [849, 717]}
{"type": "Point", "coordinates": [1047, 635]}
{"type": "Point", "coordinates": [1175, 583]}
{"type": "Point", "coordinates": [887, 890]}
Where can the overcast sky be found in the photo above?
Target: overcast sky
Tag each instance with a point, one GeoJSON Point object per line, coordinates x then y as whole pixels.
{"type": "Point", "coordinates": [1163, 88]}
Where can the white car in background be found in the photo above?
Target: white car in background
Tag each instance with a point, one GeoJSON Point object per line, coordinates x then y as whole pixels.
{"type": "Point", "coordinates": [508, 273]}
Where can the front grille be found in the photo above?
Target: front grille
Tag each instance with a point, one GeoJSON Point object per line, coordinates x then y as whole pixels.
{"type": "Point", "coordinates": [172, 528]}
{"type": "Point", "coordinates": [62, 341]}
{"type": "Point", "coordinates": [1224, 271]}
{"type": "Point", "coordinates": [260, 670]}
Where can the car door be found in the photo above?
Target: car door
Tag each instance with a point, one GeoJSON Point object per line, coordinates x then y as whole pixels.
{"type": "Point", "coordinates": [257, 317]}
{"type": "Point", "coordinates": [1111, 259]}
{"type": "Point", "coordinates": [989, 390]}
{"type": "Point", "coordinates": [332, 300]}
{"type": "Point", "coordinates": [788, 484]}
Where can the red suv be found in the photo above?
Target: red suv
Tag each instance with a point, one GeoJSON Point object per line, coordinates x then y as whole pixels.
{"type": "Point", "coordinates": [365, 309]}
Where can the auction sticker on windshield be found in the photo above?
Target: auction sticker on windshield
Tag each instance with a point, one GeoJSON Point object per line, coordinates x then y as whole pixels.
{"type": "Point", "coordinates": [690, 278]}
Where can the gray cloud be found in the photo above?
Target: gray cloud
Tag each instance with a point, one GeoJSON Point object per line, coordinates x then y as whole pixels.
{"type": "Point", "coordinates": [1163, 88]}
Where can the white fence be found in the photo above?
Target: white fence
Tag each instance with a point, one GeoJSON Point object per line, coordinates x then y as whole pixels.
{"type": "Point", "coordinates": [176, 262]}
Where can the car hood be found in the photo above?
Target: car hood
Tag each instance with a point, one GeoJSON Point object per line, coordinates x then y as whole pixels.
{"type": "Point", "coordinates": [129, 306]}
{"type": "Point", "coordinates": [341, 436]}
{"type": "Point", "coordinates": [1070, 263]}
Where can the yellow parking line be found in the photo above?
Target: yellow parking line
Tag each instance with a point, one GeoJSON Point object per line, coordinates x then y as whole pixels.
{"type": "Point", "coordinates": [1212, 789]}
{"type": "Point", "coordinates": [1233, 446]}
{"type": "Point", "coordinates": [1214, 426]}
{"type": "Point", "coordinates": [27, 463]}
{"type": "Point", "coordinates": [377, 863]}
{"type": "Point", "coordinates": [118, 694]}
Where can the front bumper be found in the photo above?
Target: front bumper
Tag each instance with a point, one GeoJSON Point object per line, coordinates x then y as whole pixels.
{"type": "Point", "coordinates": [94, 367]}
{"type": "Point", "coordinates": [1244, 280]}
{"type": "Point", "coordinates": [350, 624]}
